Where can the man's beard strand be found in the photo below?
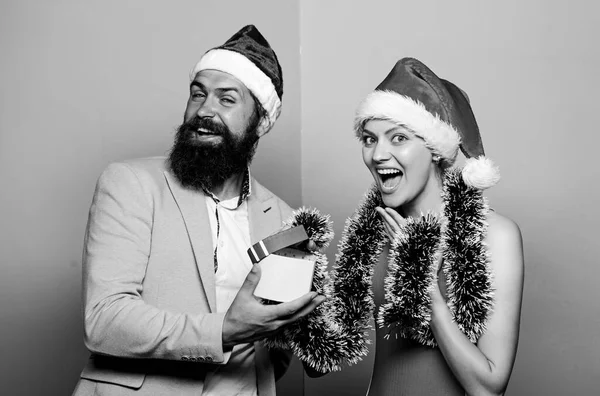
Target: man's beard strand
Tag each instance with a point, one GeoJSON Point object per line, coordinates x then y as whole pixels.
{"type": "Point", "coordinates": [205, 164]}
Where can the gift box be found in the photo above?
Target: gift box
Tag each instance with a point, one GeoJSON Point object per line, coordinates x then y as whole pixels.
{"type": "Point", "coordinates": [287, 272]}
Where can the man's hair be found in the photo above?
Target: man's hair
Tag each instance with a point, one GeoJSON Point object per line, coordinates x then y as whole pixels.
{"type": "Point", "coordinates": [260, 111]}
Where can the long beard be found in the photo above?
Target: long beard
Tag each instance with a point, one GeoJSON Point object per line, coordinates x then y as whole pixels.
{"type": "Point", "coordinates": [198, 164]}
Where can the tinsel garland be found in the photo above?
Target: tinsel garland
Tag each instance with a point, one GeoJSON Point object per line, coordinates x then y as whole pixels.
{"type": "Point", "coordinates": [337, 330]}
{"type": "Point", "coordinates": [458, 236]}
{"type": "Point", "coordinates": [411, 278]}
{"type": "Point", "coordinates": [295, 336]}
{"type": "Point", "coordinates": [466, 259]}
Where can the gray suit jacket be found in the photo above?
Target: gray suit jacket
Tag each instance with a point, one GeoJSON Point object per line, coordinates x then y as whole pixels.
{"type": "Point", "coordinates": [149, 285]}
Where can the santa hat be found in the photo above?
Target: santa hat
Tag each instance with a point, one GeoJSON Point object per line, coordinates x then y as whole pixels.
{"type": "Point", "coordinates": [435, 110]}
{"type": "Point", "coordinates": [248, 57]}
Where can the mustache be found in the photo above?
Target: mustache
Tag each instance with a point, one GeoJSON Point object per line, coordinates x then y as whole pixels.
{"type": "Point", "coordinates": [205, 123]}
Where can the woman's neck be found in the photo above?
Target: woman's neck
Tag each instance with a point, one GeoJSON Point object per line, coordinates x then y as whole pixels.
{"type": "Point", "coordinates": [429, 200]}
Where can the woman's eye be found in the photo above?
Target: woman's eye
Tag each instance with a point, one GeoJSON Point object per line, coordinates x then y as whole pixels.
{"type": "Point", "coordinates": [368, 140]}
{"type": "Point", "coordinates": [228, 101]}
{"type": "Point", "coordinates": [398, 138]}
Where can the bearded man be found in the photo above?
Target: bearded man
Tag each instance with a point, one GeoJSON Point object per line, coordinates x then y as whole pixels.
{"type": "Point", "coordinates": [167, 282]}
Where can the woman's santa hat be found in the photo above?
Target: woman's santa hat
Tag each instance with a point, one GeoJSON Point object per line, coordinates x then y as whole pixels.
{"type": "Point", "coordinates": [435, 110]}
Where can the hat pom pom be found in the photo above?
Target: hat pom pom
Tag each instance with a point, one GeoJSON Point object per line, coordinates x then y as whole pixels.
{"type": "Point", "coordinates": [480, 173]}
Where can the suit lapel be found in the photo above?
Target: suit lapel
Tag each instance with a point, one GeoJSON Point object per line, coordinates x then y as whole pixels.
{"type": "Point", "coordinates": [264, 218]}
{"type": "Point", "coordinates": [264, 214]}
{"type": "Point", "coordinates": [195, 216]}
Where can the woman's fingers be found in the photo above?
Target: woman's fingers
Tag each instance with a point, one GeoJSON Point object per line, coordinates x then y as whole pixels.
{"type": "Point", "coordinates": [396, 216]}
{"type": "Point", "coordinates": [388, 230]}
{"type": "Point", "coordinates": [392, 221]}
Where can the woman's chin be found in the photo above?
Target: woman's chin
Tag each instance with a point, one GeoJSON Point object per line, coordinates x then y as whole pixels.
{"type": "Point", "coordinates": [392, 200]}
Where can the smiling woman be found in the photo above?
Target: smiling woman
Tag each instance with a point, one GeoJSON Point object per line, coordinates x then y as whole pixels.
{"type": "Point", "coordinates": [402, 166]}
{"type": "Point", "coordinates": [423, 253]}
{"type": "Point", "coordinates": [448, 272]}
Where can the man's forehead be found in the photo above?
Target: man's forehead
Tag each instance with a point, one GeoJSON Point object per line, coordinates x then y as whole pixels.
{"type": "Point", "coordinates": [216, 79]}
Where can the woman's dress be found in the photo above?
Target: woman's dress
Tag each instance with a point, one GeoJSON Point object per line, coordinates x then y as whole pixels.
{"type": "Point", "coordinates": [403, 367]}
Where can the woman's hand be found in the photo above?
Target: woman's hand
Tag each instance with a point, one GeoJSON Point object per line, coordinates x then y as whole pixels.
{"type": "Point", "coordinates": [392, 221]}
{"type": "Point", "coordinates": [439, 294]}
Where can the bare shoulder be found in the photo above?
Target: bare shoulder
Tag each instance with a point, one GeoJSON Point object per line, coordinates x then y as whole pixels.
{"type": "Point", "coordinates": [505, 245]}
{"type": "Point", "coordinates": [502, 229]}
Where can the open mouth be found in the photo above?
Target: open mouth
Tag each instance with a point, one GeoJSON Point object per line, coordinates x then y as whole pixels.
{"type": "Point", "coordinates": [390, 178]}
{"type": "Point", "coordinates": [207, 132]}
{"type": "Point", "coordinates": [204, 135]}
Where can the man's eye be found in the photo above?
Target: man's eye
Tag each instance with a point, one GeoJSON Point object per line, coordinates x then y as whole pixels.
{"type": "Point", "coordinates": [197, 95]}
{"type": "Point", "coordinates": [228, 101]}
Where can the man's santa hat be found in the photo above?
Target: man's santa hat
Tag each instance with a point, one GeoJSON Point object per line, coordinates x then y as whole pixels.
{"type": "Point", "coordinates": [248, 57]}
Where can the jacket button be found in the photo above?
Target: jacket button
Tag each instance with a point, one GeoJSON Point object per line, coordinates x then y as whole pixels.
{"type": "Point", "coordinates": [209, 359]}
{"type": "Point", "coordinates": [185, 358]}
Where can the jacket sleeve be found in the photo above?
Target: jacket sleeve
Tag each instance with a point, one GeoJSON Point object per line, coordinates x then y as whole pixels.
{"type": "Point", "coordinates": [117, 321]}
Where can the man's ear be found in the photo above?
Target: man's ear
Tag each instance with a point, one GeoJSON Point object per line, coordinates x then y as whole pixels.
{"type": "Point", "coordinates": [263, 127]}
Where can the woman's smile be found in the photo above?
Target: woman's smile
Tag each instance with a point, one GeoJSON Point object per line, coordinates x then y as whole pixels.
{"type": "Point", "coordinates": [389, 179]}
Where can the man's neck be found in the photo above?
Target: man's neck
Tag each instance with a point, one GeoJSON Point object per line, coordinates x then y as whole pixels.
{"type": "Point", "coordinates": [230, 188]}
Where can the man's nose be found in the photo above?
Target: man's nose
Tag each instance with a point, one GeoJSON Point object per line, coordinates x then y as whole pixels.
{"type": "Point", "coordinates": [207, 108]}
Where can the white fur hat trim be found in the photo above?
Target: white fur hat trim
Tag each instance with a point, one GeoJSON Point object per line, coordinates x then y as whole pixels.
{"type": "Point", "coordinates": [441, 137]}
{"type": "Point", "coordinates": [249, 74]}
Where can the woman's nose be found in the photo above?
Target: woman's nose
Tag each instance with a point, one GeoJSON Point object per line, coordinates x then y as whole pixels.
{"type": "Point", "coordinates": [381, 152]}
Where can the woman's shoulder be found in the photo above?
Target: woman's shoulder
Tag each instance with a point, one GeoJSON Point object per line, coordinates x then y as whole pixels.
{"type": "Point", "coordinates": [504, 241]}
{"type": "Point", "coordinates": [500, 224]}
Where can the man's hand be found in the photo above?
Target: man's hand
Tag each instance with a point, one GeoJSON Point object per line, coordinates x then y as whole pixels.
{"type": "Point", "coordinates": [311, 246]}
{"type": "Point", "coordinates": [248, 320]}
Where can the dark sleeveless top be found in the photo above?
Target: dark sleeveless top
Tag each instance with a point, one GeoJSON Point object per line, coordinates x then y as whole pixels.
{"type": "Point", "coordinates": [403, 367]}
